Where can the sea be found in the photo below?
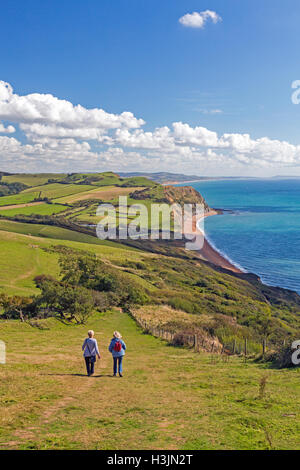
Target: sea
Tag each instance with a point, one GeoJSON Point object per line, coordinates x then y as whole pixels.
{"type": "Point", "coordinates": [259, 230]}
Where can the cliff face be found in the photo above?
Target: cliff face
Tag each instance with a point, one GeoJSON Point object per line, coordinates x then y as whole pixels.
{"type": "Point", "coordinates": [184, 195]}
{"type": "Point", "coordinates": [172, 194]}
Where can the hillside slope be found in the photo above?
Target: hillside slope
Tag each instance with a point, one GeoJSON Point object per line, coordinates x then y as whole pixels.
{"type": "Point", "coordinates": [180, 280]}
{"type": "Point", "coordinates": [169, 398]}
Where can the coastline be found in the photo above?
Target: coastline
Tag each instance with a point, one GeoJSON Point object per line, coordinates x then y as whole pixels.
{"type": "Point", "coordinates": [210, 254]}
{"type": "Point", "coordinates": [171, 183]}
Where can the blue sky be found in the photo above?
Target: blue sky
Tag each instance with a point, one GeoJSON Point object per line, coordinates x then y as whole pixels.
{"type": "Point", "coordinates": [230, 77]}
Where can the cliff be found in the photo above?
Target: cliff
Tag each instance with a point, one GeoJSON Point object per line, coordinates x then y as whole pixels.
{"type": "Point", "coordinates": [172, 194]}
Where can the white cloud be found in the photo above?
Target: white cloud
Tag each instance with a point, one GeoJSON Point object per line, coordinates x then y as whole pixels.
{"type": "Point", "coordinates": [161, 138]}
{"type": "Point", "coordinates": [7, 130]}
{"type": "Point", "coordinates": [199, 136]}
{"type": "Point", "coordinates": [199, 19]}
{"type": "Point", "coordinates": [44, 114]}
{"type": "Point", "coordinates": [64, 137]}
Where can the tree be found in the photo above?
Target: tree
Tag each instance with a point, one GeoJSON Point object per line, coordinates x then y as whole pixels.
{"type": "Point", "coordinates": [16, 306]}
{"type": "Point", "coordinates": [69, 302]}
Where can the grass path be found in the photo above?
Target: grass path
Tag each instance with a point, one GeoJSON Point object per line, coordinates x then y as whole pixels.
{"type": "Point", "coordinates": [169, 398]}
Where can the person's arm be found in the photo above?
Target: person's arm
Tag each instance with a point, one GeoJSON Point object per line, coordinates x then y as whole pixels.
{"type": "Point", "coordinates": [123, 345]}
{"type": "Point", "coordinates": [84, 345]}
{"type": "Point", "coordinates": [110, 347]}
{"type": "Point", "coordinates": [97, 350]}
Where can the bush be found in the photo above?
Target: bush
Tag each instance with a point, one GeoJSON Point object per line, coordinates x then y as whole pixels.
{"type": "Point", "coordinates": [17, 307]}
{"type": "Point", "coordinates": [179, 303]}
{"type": "Point", "coordinates": [281, 358]}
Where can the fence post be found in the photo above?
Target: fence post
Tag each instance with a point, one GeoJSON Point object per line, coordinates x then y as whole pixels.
{"type": "Point", "coordinates": [245, 346]}
{"type": "Point", "coordinates": [234, 346]}
{"type": "Point", "coordinates": [195, 342]}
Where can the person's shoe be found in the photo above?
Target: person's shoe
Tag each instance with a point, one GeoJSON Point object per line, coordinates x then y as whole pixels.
{"type": "Point", "coordinates": [115, 375]}
{"type": "Point", "coordinates": [121, 375]}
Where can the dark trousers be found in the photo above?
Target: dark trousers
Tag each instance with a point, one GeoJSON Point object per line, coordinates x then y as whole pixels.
{"type": "Point", "coordinates": [90, 364]}
{"type": "Point", "coordinates": [118, 363]}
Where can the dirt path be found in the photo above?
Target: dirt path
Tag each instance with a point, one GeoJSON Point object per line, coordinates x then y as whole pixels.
{"type": "Point", "coordinates": [19, 206]}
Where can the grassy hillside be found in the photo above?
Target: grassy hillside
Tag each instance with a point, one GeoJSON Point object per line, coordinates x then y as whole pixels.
{"type": "Point", "coordinates": [56, 233]}
{"type": "Point", "coordinates": [169, 398]}
{"type": "Point", "coordinates": [40, 209]}
{"type": "Point", "coordinates": [32, 179]}
{"type": "Point", "coordinates": [22, 198]}
{"type": "Point", "coordinates": [259, 310]}
{"type": "Point", "coordinates": [24, 257]}
{"type": "Point", "coordinates": [16, 277]}
{"type": "Point", "coordinates": [221, 304]}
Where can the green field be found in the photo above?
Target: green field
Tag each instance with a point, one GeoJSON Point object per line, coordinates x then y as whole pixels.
{"type": "Point", "coordinates": [62, 234]}
{"type": "Point", "coordinates": [169, 398]}
{"type": "Point", "coordinates": [40, 209]}
{"type": "Point", "coordinates": [24, 243]}
{"type": "Point", "coordinates": [21, 198]}
{"type": "Point", "coordinates": [16, 278]}
{"type": "Point", "coordinates": [32, 180]}
{"type": "Point", "coordinates": [56, 190]}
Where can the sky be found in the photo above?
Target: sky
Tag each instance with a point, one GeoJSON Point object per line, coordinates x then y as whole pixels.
{"type": "Point", "coordinates": [188, 86]}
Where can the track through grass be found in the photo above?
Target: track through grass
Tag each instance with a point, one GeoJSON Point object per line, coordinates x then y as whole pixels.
{"type": "Point", "coordinates": [169, 398]}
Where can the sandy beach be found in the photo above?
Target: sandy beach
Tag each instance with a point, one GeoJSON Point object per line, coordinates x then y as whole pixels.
{"type": "Point", "coordinates": [209, 253]}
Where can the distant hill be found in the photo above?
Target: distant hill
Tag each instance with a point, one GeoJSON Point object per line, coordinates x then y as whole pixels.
{"type": "Point", "coordinates": [163, 177]}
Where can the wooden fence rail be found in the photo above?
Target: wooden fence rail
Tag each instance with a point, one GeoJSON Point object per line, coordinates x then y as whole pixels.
{"type": "Point", "coordinates": [237, 346]}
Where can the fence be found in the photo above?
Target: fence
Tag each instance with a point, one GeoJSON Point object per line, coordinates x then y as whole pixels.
{"type": "Point", "coordinates": [236, 346]}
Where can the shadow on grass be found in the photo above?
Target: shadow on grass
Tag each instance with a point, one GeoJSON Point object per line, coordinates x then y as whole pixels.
{"type": "Point", "coordinates": [81, 375]}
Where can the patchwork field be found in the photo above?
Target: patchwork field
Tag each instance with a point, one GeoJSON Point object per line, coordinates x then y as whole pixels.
{"type": "Point", "coordinates": [56, 190]}
{"type": "Point", "coordinates": [107, 194]}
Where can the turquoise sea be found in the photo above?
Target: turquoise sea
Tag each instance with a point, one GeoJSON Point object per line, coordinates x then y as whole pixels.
{"type": "Point", "coordinates": [261, 230]}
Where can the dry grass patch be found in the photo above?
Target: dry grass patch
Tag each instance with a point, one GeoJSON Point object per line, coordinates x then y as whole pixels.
{"type": "Point", "coordinates": [106, 193]}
